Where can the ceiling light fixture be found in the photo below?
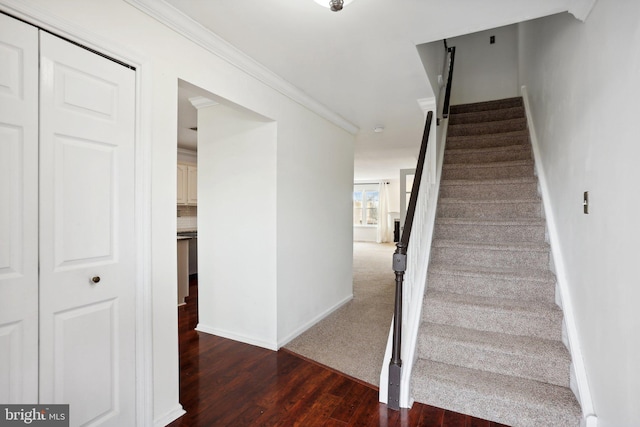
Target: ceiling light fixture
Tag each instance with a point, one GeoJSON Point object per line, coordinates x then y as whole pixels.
{"type": "Point", "coordinates": [378, 129]}
{"type": "Point", "coordinates": [334, 5]}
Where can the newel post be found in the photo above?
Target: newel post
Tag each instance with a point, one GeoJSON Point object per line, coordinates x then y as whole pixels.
{"type": "Point", "coordinates": [395, 366]}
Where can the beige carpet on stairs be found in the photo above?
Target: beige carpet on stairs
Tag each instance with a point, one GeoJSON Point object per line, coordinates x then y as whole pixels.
{"type": "Point", "coordinates": [490, 343]}
{"type": "Point", "coordinates": [352, 339]}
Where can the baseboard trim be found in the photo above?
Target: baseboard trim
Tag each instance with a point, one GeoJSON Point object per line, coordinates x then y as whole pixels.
{"type": "Point", "coordinates": [169, 417]}
{"type": "Point", "coordinates": [589, 418]}
{"type": "Point", "coordinates": [269, 345]}
{"type": "Point", "coordinates": [284, 341]}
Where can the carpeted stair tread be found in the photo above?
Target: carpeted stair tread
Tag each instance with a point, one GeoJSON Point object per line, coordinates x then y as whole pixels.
{"type": "Point", "coordinates": [481, 208]}
{"type": "Point", "coordinates": [503, 188]}
{"type": "Point", "coordinates": [487, 115]}
{"type": "Point", "coordinates": [507, 246]}
{"type": "Point", "coordinates": [491, 170]}
{"type": "Point", "coordinates": [495, 127]}
{"type": "Point", "coordinates": [487, 154]}
{"type": "Point", "coordinates": [505, 399]}
{"type": "Point", "coordinates": [496, 104]}
{"type": "Point", "coordinates": [486, 165]}
{"type": "Point", "coordinates": [522, 356]}
{"type": "Point", "coordinates": [493, 282]}
{"type": "Point", "coordinates": [493, 181]}
{"type": "Point", "coordinates": [533, 275]}
{"type": "Point", "coordinates": [504, 315]}
{"type": "Point", "coordinates": [498, 254]}
{"type": "Point", "coordinates": [519, 137]}
{"type": "Point", "coordinates": [494, 221]}
{"type": "Point", "coordinates": [490, 230]}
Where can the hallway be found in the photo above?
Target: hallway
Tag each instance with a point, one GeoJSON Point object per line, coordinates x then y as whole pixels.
{"type": "Point", "coordinates": [227, 383]}
{"type": "Point", "coordinates": [353, 338]}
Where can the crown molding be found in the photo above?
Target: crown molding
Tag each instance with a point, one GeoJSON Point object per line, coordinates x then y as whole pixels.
{"type": "Point", "coordinates": [205, 38]}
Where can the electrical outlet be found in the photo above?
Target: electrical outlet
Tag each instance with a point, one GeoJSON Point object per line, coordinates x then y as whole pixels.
{"type": "Point", "coordinates": [492, 39]}
{"type": "Point", "coordinates": [585, 202]}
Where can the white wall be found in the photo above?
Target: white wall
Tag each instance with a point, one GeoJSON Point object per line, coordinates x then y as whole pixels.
{"type": "Point", "coordinates": [433, 56]}
{"type": "Point", "coordinates": [315, 243]}
{"type": "Point", "coordinates": [237, 225]}
{"type": "Point", "coordinates": [484, 71]}
{"type": "Point", "coordinates": [164, 57]}
{"type": "Point", "coordinates": [583, 84]}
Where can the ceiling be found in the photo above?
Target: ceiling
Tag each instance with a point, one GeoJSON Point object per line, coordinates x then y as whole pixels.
{"type": "Point", "coordinates": [361, 63]}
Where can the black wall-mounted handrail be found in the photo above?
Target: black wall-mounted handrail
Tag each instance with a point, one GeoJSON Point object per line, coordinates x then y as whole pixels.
{"type": "Point", "coordinates": [399, 268]}
{"type": "Point", "coordinates": [447, 95]}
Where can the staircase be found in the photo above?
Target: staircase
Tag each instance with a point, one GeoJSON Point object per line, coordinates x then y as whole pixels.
{"type": "Point", "coordinates": [490, 342]}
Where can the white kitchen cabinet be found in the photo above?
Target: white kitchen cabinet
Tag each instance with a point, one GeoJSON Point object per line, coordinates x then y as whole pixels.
{"type": "Point", "coordinates": [182, 182]}
{"type": "Point", "coordinates": [192, 185]}
{"type": "Point", "coordinates": [187, 185]}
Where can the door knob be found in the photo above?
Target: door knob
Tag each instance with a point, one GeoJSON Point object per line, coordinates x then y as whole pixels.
{"type": "Point", "coordinates": [95, 279]}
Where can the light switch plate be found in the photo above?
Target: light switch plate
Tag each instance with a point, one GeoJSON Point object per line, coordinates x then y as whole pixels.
{"type": "Point", "coordinates": [585, 202]}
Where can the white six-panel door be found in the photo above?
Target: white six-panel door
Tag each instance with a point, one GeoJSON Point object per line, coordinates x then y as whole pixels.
{"type": "Point", "coordinates": [87, 253]}
{"type": "Point", "coordinates": [80, 228]}
{"type": "Point", "coordinates": [18, 212]}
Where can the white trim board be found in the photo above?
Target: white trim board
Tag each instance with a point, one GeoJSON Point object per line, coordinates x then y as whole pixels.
{"type": "Point", "coordinates": [169, 417]}
{"type": "Point", "coordinates": [589, 417]}
{"type": "Point", "coordinates": [203, 37]}
{"type": "Point", "coordinates": [269, 345]}
{"type": "Point", "coordinates": [284, 341]}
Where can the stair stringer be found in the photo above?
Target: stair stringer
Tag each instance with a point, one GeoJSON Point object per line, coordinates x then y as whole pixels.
{"type": "Point", "coordinates": [581, 385]}
{"type": "Point", "coordinates": [415, 279]}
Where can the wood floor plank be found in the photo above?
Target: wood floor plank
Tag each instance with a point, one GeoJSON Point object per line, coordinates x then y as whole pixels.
{"type": "Point", "coordinates": [345, 410]}
{"type": "Point", "coordinates": [477, 422]}
{"type": "Point", "coordinates": [454, 419]}
{"type": "Point", "coordinates": [431, 417]}
{"type": "Point", "coordinates": [227, 383]}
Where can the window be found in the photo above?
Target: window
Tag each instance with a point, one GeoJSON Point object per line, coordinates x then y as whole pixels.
{"type": "Point", "coordinates": [365, 204]}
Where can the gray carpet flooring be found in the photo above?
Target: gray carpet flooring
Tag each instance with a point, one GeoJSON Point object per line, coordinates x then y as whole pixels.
{"type": "Point", "coordinates": [352, 339]}
{"type": "Point", "coordinates": [490, 342]}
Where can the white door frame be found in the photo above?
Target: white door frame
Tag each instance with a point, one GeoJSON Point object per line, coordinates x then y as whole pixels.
{"type": "Point", "coordinates": [34, 15]}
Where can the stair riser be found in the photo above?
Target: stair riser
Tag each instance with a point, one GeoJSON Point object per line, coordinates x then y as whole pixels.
{"type": "Point", "coordinates": [486, 286]}
{"type": "Point", "coordinates": [477, 173]}
{"type": "Point", "coordinates": [487, 141]}
{"type": "Point", "coordinates": [485, 156]}
{"type": "Point", "coordinates": [469, 355]}
{"type": "Point", "coordinates": [442, 394]}
{"type": "Point", "coordinates": [490, 210]}
{"type": "Point", "coordinates": [490, 233]}
{"type": "Point", "coordinates": [487, 128]}
{"type": "Point", "coordinates": [485, 191]}
{"type": "Point", "coordinates": [494, 319]}
{"type": "Point", "coordinates": [472, 257]}
{"type": "Point", "coordinates": [486, 106]}
{"type": "Point", "coordinates": [486, 116]}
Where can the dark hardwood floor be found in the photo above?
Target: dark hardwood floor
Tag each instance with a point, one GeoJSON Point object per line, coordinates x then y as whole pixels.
{"type": "Point", "coordinates": [226, 383]}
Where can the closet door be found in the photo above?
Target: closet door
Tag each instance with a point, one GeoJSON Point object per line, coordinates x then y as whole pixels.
{"type": "Point", "coordinates": [87, 247]}
{"type": "Point", "coordinates": [18, 212]}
